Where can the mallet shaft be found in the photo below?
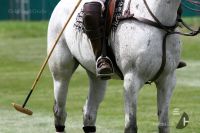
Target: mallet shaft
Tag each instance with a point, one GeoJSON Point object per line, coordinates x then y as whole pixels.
{"type": "Point", "coordinates": [49, 55]}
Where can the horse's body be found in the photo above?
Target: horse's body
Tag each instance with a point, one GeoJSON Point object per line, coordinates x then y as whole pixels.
{"type": "Point", "coordinates": [138, 50]}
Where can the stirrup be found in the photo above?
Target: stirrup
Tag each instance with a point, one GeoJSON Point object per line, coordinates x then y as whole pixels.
{"type": "Point", "coordinates": [105, 76]}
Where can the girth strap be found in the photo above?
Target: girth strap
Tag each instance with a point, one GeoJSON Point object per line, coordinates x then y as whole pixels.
{"type": "Point", "coordinates": [163, 60]}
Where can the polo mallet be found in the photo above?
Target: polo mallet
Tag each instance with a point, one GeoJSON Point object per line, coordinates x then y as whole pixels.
{"type": "Point", "coordinates": [22, 108]}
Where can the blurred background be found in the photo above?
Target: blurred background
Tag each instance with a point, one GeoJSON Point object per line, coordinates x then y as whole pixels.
{"type": "Point", "coordinates": [26, 9]}
{"type": "Point", "coordinates": [23, 35]}
{"type": "Point", "coordinates": [41, 9]}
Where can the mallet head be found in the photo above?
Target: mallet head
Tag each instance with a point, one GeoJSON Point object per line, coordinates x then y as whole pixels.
{"type": "Point", "coordinates": [21, 109]}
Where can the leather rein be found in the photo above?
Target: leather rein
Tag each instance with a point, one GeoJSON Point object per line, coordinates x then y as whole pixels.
{"type": "Point", "coordinates": [170, 30]}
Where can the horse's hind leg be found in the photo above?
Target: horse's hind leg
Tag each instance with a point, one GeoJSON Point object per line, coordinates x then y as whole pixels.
{"type": "Point", "coordinates": [62, 65]}
{"type": "Point", "coordinates": [95, 96]}
{"type": "Point", "coordinates": [165, 87]}
{"type": "Point", "coordinates": [132, 84]}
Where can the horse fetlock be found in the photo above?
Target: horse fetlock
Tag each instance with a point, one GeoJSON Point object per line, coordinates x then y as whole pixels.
{"type": "Point", "coordinates": [89, 119]}
{"type": "Point", "coordinates": [59, 120]}
{"type": "Point", "coordinates": [131, 124]}
{"type": "Point", "coordinates": [131, 129]}
{"type": "Point", "coordinates": [59, 115]}
{"type": "Point", "coordinates": [163, 129]}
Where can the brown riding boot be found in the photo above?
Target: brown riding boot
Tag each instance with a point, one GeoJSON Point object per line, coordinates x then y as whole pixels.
{"type": "Point", "coordinates": [94, 30]}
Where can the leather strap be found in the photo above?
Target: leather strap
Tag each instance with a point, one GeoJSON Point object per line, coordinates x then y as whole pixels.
{"type": "Point", "coordinates": [163, 59]}
{"type": "Point", "coordinates": [145, 21]}
{"type": "Point", "coordinates": [60, 128]}
{"type": "Point", "coordinates": [89, 129]}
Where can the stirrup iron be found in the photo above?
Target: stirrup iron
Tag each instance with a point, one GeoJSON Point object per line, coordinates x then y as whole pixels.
{"type": "Point", "coordinates": [105, 75]}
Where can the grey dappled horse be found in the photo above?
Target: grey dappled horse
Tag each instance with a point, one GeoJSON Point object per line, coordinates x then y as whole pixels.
{"type": "Point", "coordinates": [138, 50]}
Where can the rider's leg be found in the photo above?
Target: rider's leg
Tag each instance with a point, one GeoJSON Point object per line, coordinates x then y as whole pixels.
{"type": "Point", "coordinates": [94, 29]}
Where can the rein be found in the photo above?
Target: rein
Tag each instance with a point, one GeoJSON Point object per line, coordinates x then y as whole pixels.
{"type": "Point", "coordinates": [168, 29]}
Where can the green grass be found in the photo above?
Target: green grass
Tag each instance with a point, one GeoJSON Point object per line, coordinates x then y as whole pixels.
{"type": "Point", "coordinates": [190, 48]}
{"type": "Point", "coordinates": [23, 49]}
{"type": "Point", "coordinates": [18, 29]}
{"type": "Point", "coordinates": [193, 21]}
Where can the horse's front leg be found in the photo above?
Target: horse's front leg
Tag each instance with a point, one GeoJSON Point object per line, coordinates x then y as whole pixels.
{"type": "Point", "coordinates": [95, 96]}
{"type": "Point", "coordinates": [132, 84]}
{"type": "Point", "coordinates": [61, 78]}
{"type": "Point", "coordinates": [62, 65]}
{"type": "Point", "coordinates": [60, 93]}
{"type": "Point", "coordinates": [165, 88]}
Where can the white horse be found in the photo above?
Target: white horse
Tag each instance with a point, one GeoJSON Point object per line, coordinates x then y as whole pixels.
{"type": "Point", "coordinates": [138, 50]}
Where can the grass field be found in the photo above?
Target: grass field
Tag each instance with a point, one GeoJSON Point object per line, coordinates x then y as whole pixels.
{"type": "Point", "coordinates": [23, 49]}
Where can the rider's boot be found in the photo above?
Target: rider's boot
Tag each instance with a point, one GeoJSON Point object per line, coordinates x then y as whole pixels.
{"type": "Point", "coordinates": [94, 29]}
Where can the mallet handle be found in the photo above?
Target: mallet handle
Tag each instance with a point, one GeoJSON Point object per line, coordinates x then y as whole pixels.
{"type": "Point", "coordinates": [50, 53]}
{"type": "Point", "coordinates": [27, 98]}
